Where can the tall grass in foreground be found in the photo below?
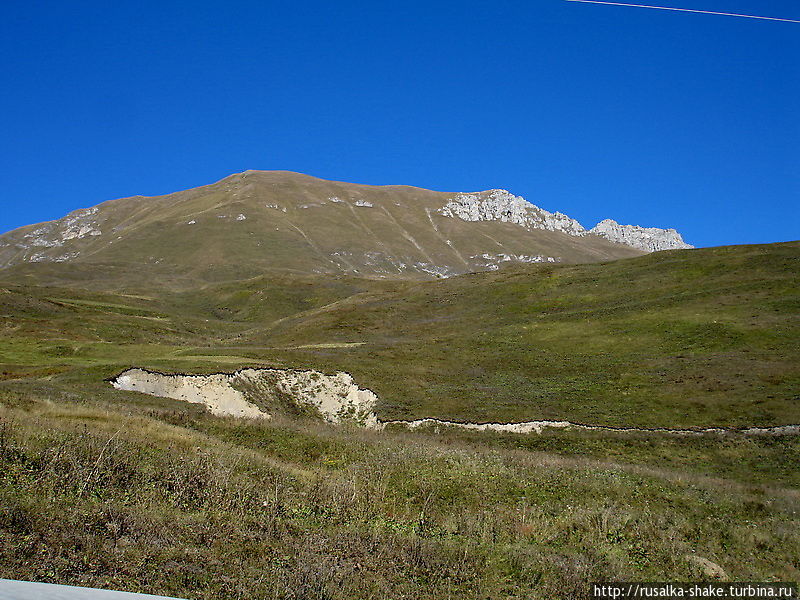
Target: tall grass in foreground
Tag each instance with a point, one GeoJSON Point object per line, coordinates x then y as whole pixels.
{"type": "Point", "coordinates": [185, 504]}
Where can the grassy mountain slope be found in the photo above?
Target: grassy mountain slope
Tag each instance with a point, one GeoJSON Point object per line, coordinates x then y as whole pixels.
{"type": "Point", "coordinates": [266, 221]}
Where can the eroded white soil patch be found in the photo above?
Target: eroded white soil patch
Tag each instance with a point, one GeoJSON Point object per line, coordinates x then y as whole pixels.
{"type": "Point", "coordinates": [539, 426]}
{"type": "Point", "coordinates": [336, 397]}
{"type": "Point", "coordinates": [214, 391]}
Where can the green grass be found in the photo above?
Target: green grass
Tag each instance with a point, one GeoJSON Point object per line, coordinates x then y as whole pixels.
{"type": "Point", "coordinates": [161, 498]}
{"type": "Point", "coordinates": [693, 339]}
{"type": "Point", "coordinates": [675, 339]}
{"type": "Point", "coordinates": [122, 490]}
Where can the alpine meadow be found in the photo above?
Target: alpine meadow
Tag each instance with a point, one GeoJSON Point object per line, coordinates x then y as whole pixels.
{"type": "Point", "coordinates": [277, 386]}
{"type": "Point", "coordinates": [400, 300]}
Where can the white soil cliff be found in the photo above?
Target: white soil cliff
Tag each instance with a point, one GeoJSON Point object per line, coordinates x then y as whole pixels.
{"type": "Point", "coordinates": [539, 426]}
{"type": "Point", "coordinates": [214, 391]}
{"type": "Point", "coordinates": [336, 397]}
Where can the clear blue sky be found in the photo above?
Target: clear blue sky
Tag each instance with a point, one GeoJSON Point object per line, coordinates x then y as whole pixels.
{"type": "Point", "coordinates": [648, 117]}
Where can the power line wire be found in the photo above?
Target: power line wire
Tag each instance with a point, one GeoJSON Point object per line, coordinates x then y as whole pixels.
{"type": "Point", "coordinates": [689, 10]}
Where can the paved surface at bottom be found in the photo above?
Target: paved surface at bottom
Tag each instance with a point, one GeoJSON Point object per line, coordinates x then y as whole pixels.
{"type": "Point", "coordinates": [26, 590]}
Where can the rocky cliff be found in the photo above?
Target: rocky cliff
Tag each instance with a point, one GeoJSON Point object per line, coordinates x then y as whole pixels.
{"type": "Point", "coordinates": [649, 239]}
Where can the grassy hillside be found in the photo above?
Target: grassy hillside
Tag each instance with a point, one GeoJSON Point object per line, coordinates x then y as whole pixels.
{"type": "Point", "coordinates": [154, 496]}
{"type": "Point", "coordinates": [677, 339]}
{"type": "Point", "coordinates": [122, 490]}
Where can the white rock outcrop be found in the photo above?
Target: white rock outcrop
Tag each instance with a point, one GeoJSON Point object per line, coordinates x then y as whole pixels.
{"type": "Point", "coordinates": [501, 205]}
{"type": "Point", "coordinates": [524, 258]}
{"type": "Point", "coordinates": [650, 239]}
{"type": "Point", "coordinates": [75, 225]}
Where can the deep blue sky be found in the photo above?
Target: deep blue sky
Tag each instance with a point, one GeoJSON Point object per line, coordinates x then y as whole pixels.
{"type": "Point", "coordinates": [648, 117]}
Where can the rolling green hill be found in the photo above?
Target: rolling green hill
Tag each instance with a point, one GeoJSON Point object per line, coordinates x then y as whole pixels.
{"type": "Point", "coordinates": [677, 339]}
{"type": "Point", "coordinates": [684, 338]}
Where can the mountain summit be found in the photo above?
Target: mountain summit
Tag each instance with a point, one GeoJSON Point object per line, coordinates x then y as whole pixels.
{"type": "Point", "coordinates": [257, 221]}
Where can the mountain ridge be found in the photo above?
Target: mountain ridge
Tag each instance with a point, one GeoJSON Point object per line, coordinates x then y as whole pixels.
{"type": "Point", "coordinates": [254, 221]}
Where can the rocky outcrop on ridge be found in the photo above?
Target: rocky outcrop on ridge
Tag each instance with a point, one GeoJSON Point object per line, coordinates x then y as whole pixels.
{"type": "Point", "coordinates": [649, 239]}
{"type": "Point", "coordinates": [501, 205]}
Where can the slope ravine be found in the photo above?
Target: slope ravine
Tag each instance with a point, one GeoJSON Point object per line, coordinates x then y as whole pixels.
{"type": "Point", "coordinates": [338, 399]}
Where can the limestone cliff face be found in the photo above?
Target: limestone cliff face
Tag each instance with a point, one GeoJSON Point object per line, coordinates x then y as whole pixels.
{"type": "Point", "coordinates": [649, 239]}
{"type": "Point", "coordinates": [501, 205]}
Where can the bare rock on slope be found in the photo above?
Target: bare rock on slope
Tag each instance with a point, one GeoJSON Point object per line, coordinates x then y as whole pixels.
{"type": "Point", "coordinates": [649, 239]}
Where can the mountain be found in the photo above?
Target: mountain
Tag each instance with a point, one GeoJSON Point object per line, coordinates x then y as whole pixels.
{"type": "Point", "coordinates": [259, 221]}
